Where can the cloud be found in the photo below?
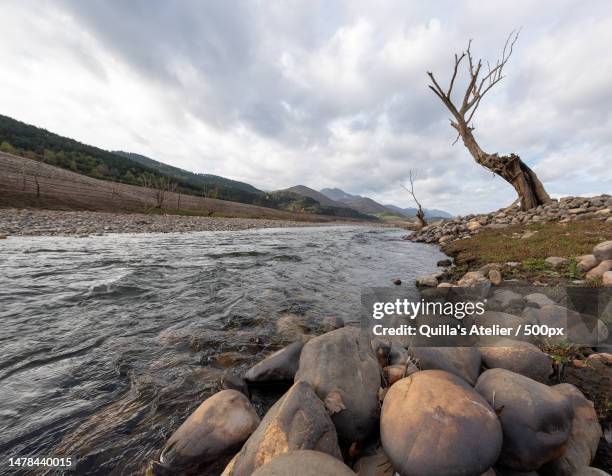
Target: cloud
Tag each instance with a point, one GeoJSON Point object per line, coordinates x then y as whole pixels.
{"type": "Point", "coordinates": [320, 93]}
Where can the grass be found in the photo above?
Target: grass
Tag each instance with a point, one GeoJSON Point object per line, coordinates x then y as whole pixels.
{"type": "Point", "coordinates": [566, 240]}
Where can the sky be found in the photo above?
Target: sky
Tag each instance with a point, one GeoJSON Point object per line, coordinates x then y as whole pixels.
{"type": "Point", "coordinates": [329, 93]}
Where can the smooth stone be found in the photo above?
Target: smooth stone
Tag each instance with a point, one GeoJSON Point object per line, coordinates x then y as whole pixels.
{"type": "Point", "coordinates": [214, 430]}
{"type": "Point", "coordinates": [519, 357]}
{"type": "Point", "coordinates": [433, 423]}
{"type": "Point", "coordinates": [556, 262]}
{"type": "Point", "coordinates": [298, 421]}
{"type": "Point", "coordinates": [292, 327]}
{"type": "Point", "coordinates": [536, 419]}
{"type": "Point", "coordinates": [603, 251]}
{"type": "Point", "coordinates": [393, 373]}
{"type": "Point", "coordinates": [601, 357]}
{"type": "Point", "coordinates": [587, 263]}
{"type": "Point", "coordinates": [606, 278]}
{"type": "Point", "coordinates": [344, 372]}
{"type": "Point", "coordinates": [584, 438]}
{"type": "Point", "coordinates": [461, 361]}
{"type": "Point", "coordinates": [431, 280]}
{"type": "Point", "coordinates": [277, 367]}
{"type": "Point", "coordinates": [504, 299]}
{"type": "Point", "coordinates": [599, 270]}
{"type": "Point", "coordinates": [511, 321]}
{"type": "Point", "coordinates": [495, 277]}
{"type": "Point", "coordinates": [230, 381]}
{"type": "Point", "coordinates": [305, 463]}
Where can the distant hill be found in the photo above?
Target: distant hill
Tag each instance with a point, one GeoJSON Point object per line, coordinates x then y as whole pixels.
{"type": "Point", "coordinates": [429, 212]}
{"type": "Point", "coordinates": [359, 203]}
{"type": "Point", "coordinates": [329, 206]}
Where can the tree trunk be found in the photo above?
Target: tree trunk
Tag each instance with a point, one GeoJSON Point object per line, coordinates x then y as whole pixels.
{"type": "Point", "coordinates": [511, 168]}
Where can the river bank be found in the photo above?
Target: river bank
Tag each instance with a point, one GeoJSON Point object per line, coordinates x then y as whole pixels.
{"type": "Point", "coordinates": [37, 222]}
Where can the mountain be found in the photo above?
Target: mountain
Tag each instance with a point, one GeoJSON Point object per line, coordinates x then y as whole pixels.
{"type": "Point", "coordinates": [359, 203]}
{"type": "Point", "coordinates": [318, 196]}
{"type": "Point", "coordinates": [411, 212]}
{"type": "Point", "coordinates": [327, 205]}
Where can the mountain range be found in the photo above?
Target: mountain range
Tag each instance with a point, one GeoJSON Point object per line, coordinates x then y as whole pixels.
{"type": "Point", "coordinates": [25, 140]}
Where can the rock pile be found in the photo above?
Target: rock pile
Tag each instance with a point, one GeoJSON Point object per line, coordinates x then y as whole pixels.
{"type": "Point", "coordinates": [371, 407]}
{"type": "Point", "coordinates": [563, 210]}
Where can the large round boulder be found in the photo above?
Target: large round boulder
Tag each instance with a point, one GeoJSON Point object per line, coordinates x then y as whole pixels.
{"type": "Point", "coordinates": [277, 367]}
{"type": "Point", "coordinates": [298, 421]}
{"type": "Point", "coordinates": [343, 371]}
{"type": "Point", "coordinates": [434, 423]}
{"type": "Point", "coordinates": [584, 438]}
{"type": "Point", "coordinates": [461, 361]}
{"type": "Point", "coordinates": [536, 419]}
{"type": "Point", "coordinates": [305, 463]}
{"type": "Point", "coordinates": [520, 357]}
{"type": "Point", "coordinates": [217, 428]}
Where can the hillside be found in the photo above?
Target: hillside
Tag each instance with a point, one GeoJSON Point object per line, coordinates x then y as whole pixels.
{"type": "Point", "coordinates": [357, 202]}
{"type": "Point", "coordinates": [429, 212]}
{"type": "Point", "coordinates": [327, 205]}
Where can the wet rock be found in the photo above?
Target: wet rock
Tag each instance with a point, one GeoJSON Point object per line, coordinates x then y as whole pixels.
{"type": "Point", "coordinates": [277, 367]}
{"type": "Point", "coordinates": [603, 251]}
{"type": "Point", "coordinates": [599, 270]}
{"type": "Point", "coordinates": [537, 300]}
{"type": "Point", "coordinates": [229, 359]}
{"type": "Point", "coordinates": [461, 361]}
{"type": "Point", "coordinates": [536, 419]}
{"type": "Point", "coordinates": [341, 366]}
{"type": "Point", "coordinates": [586, 263]}
{"type": "Point", "coordinates": [218, 427]}
{"type": "Point", "coordinates": [298, 421]}
{"type": "Point", "coordinates": [556, 262]}
{"type": "Point", "coordinates": [305, 463]}
{"type": "Point", "coordinates": [434, 423]}
{"type": "Point", "coordinates": [233, 382]}
{"type": "Point", "coordinates": [443, 263]}
{"type": "Point", "coordinates": [519, 357]}
{"type": "Point", "coordinates": [584, 438]}
{"type": "Point", "coordinates": [431, 280]}
{"type": "Point", "coordinates": [292, 327]}
{"type": "Point", "coordinates": [331, 323]}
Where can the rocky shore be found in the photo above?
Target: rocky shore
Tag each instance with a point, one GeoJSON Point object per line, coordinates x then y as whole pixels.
{"type": "Point", "coordinates": [564, 210]}
{"type": "Point", "coordinates": [34, 222]}
{"type": "Point", "coordinates": [376, 407]}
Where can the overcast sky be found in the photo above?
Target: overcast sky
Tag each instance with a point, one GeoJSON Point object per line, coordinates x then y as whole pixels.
{"type": "Point", "coordinates": [325, 94]}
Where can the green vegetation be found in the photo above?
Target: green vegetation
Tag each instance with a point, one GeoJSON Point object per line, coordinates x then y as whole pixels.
{"type": "Point", "coordinates": [24, 140]}
{"type": "Point", "coordinates": [550, 239]}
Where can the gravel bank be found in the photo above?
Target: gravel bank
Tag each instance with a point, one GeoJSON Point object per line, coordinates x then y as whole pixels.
{"type": "Point", "coordinates": [30, 222]}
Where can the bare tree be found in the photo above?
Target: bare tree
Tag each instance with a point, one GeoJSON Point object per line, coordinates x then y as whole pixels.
{"type": "Point", "coordinates": [160, 185]}
{"type": "Point", "coordinates": [510, 167]}
{"type": "Point", "coordinates": [420, 213]}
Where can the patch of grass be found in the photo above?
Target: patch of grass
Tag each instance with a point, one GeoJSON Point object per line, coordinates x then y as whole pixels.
{"type": "Point", "coordinates": [551, 239]}
{"type": "Point", "coordinates": [534, 264]}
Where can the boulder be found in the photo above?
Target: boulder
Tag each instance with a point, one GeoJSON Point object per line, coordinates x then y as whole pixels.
{"type": "Point", "coordinates": [472, 278]}
{"type": "Point", "coordinates": [536, 419]}
{"type": "Point", "coordinates": [393, 373]}
{"type": "Point", "coordinates": [537, 300]}
{"type": "Point", "coordinates": [330, 323]}
{"type": "Point", "coordinates": [556, 262]}
{"type": "Point", "coordinates": [495, 277]}
{"type": "Point", "coordinates": [443, 263]}
{"type": "Point", "coordinates": [298, 421]}
{"type": "Point", "coordinates": [304, 463]}
{"type": "Point", "coordinates": [430, 280]}
{"type": "Point", "coordinates": [606, 278]}
{"type": "Point", "coordinates": [461, 361]}
{"type": "Point", "coordinates": [586, 263]}
{"type": "Point", "coordinates": [519, 357]}
{"type": "Point", "coordinates": [344, 372]}
{"type": "Point", "coordinates": [599, 270]}
{"type": "Point", "coordinates": [492, 318]}
{"type": "Point", "coordinates": [584, 438]}
{"type": "Point", "coordinates": [603, 251]}
{"type": "Point", "coordinates": [473, 226]}
{"type": "Point", "coordinates": [601, 357]}
{"type": "Point", "coordinates": [217, 428]}
{"type": "Point", "coordinates": [277, 367]}
{"type": "Point", "coordinates": [434, 423]}
{"type": "Point", "coordinates": [505, 300]}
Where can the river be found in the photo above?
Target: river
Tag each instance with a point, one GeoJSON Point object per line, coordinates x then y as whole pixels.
{"type": "Point", "coordinates": [109, 342]}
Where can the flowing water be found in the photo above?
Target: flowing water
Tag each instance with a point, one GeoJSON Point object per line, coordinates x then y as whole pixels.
{"type": "Point", "coordinates": [109, 342]}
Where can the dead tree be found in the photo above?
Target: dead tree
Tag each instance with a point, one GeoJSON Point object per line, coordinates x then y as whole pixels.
{"type": "Point", "coordinates": [510, 167]}
{"type": "Point", "coordinates": [420, 213]}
